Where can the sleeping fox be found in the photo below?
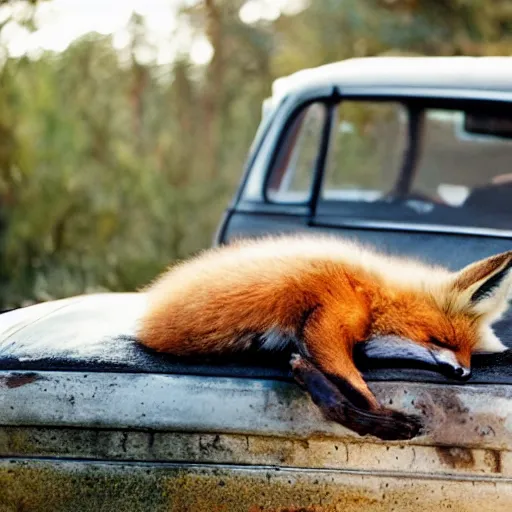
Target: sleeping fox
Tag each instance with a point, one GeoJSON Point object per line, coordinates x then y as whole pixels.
{"type": "Point", "coordinates": [320, 297]}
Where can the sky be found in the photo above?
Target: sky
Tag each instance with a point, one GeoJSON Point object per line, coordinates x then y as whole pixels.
{"type": "Point", "coordinates": [59, 22]}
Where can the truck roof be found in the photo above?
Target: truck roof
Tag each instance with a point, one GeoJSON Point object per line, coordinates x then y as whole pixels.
{"type": "Point", "coordinates": [462, 73]}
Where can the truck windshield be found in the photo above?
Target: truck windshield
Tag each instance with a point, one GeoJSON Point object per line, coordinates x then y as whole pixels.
{"type": "Point", "coordinates": [429, 163]}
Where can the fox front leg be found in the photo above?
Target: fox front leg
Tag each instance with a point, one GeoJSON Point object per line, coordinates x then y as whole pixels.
{"type": "Point", "coordinates": [328, 372]}
{"type": "Point", "coordinates": [335, 406]}
{"type": "Point", "coordinates": [386, 424]}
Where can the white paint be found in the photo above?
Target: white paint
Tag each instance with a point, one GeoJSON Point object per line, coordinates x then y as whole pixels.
{"type": "Point", "coordinates": [481, 73]}
{"type": "Point", "coordinates": [65, 328]}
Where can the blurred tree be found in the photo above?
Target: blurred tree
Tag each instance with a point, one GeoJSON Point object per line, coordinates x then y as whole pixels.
{"type": "Point", "coordinates": [112, 166]}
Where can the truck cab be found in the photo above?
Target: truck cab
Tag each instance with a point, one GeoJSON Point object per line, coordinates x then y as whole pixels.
{"type": "Point", "coordinates": [411, 155]}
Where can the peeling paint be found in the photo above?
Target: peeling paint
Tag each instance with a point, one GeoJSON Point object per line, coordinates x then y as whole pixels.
{"type": "Point", "coordinates": [16, 380]}
{"type": "Point", "coordinates": [493, 458]}
{"type": "Point", "coordinates": [456, 458]}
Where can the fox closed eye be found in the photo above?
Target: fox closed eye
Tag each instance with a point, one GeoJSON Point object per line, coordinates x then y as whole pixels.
{"type": "Point", "coordinates": [442, 344]}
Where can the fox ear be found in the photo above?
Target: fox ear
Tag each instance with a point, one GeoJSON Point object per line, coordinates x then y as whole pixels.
{"type": "Point", "coordinates": [483, 287]}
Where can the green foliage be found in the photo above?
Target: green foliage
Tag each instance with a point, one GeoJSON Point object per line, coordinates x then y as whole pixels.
{"type": "Point", "coordinates": [102, 180]}
{"type": "Point", "coordinates": [111, 169]}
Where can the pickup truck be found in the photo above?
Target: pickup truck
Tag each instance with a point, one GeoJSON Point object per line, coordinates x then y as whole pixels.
{"type": "Point", "coordinates": [409, 154]}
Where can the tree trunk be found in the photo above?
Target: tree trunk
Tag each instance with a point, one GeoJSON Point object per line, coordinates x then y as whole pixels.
{"type": "Point", "coordinates": [213, 90]}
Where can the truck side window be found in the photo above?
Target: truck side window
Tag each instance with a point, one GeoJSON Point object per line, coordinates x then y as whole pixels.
{"type": "Point", "coordinates": [291, 177]}
{"type": "Point", "coordinates": [366, 150]}
{"type": "Point", "coordinates": [457, 173]}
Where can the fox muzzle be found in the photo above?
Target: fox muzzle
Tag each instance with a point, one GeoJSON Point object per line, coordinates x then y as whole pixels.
{"type": "Point", "coordinates": [449, 365]}
{"type": "Point", "coordinates": [398, 349]}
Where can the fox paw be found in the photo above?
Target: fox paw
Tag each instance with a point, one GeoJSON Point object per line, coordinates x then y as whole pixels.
{"type": "Point", "coordinates": [396, 426]}
{"type": "Point", "coordinates": [385, 424]}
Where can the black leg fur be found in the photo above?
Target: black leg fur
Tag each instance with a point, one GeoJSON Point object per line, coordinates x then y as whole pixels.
{"type": "Point", "coordinates": [386, 424]}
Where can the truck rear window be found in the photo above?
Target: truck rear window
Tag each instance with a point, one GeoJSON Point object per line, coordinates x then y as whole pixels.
{"type": "Point", "coordinates": [389, 161]}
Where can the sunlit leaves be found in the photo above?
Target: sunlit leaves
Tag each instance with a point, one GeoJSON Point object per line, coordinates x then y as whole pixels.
{"type": "Point", "coordinates": [112, 166]}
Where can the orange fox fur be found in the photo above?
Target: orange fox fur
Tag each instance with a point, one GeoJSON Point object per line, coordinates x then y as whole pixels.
{"type": "Point", "coordinates": [324, 294]}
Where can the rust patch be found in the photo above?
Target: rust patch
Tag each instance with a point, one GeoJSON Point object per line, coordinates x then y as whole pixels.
{"type": "Point", "coordinates": [493, 459]}
{"type": "Point", "coordinates": [446, 403]}
{"type": "Point", "coordinates": [455, 457]}
{"type": "Point", "coordinates": [16, 380]}
{"type": "Point", "coordinates": [70, 486]}
{"type": "Point", "coordinates": [451, 423]}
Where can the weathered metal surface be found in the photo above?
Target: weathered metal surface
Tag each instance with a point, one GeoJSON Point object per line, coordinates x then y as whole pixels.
{"type": "Point", "coordinates": [61, 487]}
{"type": "Point", "coordinates": [316, 452]}
{"type": "Point", "coordinates": [463, 416]}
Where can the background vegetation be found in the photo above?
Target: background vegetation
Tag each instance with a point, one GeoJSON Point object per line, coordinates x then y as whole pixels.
{"type": "Point", "coordinates": [112, 166]}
